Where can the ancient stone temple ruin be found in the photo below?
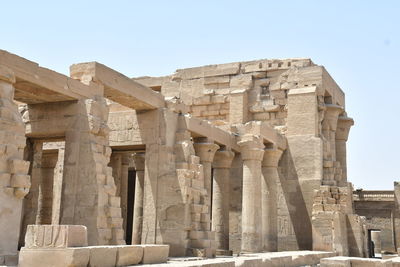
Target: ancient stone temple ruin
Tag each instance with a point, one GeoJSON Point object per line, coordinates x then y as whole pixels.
{"type": "Point", "coordinates": [240, 158]}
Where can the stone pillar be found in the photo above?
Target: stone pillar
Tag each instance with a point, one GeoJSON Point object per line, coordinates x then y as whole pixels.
{"type": "Point", "coordinates": [342, 134]}
{"type": "Point", "coordinates": [206, 150]}
{"type": "Point", "coordinates": [138, 160]}
{"type": "Point", "coordinates": [88, 190]}
{"type": "Point", "coordinates": [302, 169]}
{"type": "Point", "coordinates": [269, 198]}
{"type": "Point", "coordinates": [252, 150]}
{"type": "Point", "coordinates": [238, 108]}
{"type": "Point", "coordinates": [220, 199]}
{"type": "Point", "coordinates": [14, 181]}
{"type": "Point", "coordinates": [57, 186]}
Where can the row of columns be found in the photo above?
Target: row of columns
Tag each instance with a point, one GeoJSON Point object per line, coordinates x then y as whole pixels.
{"type": "Point", "coordinates": [259, 204]}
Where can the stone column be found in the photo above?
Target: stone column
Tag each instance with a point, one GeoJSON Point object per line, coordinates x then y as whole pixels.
{"type": "Point", "coordinates": [220, 199]}
{"type": "Point", "coordinates": [138, 161]}
{"type": "Point", "coordinates": [269, 198]}
{"type": "Point", "coordinates": [206, 150]}
{"type": "Point", "coordinates": [37, 178]}
{"type": "Point", "coordinates": [252, 150]}
{"type": "Point", "coordinates": [342, 134]}
{"type": "Point", "coordinates": [14, 181]}
{"type": "Point", "coordinates": [329, 125]}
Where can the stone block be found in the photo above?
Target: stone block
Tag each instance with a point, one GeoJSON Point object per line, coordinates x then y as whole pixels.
{"type": "Point", "coordinates": [155, 254]}
{"type": "Point", "coordinates": [103, 256]}
{"type": "Point", "coordinates": [19, 166]}
{"type": "Point", "coordinates": [241, 82]}
{"type": "Point", "coordinates": [55, 236]}
{"type": "Point", "coordinates": [129, 255]}
{"type": "Point", "coordinates": [219, 99]}
{"type": "Point", "coordinates": [203, 100]}
{"type": "Point", "coordinates": [57, 257]}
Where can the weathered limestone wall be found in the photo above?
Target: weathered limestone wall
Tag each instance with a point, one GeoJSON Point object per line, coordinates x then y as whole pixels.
{"type": "Point", "coordinates": [14, 181]}
{"type": "Point", "coordinates": [244, 91]}
{"type": "Point", "coordinates": [298, 98]}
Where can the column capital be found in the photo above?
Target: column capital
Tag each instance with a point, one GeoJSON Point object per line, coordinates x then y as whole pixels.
{"type": "Point", "coordinates": [331, 115]}
{"type": "Point", "coordinates": [271, 157]}
{"type": "Point", "coordinates": [205, 150]}
{"type": "Point", "coordinates": [251, 147]}
{"type": "Point", "coordinates": [343, 127]}
{"type": "Point", "coordinates": [223, 159]}
{"type": "Point", "coordinates": [138, 161]}
{"type": "Point", "coordinates": [6, 75]}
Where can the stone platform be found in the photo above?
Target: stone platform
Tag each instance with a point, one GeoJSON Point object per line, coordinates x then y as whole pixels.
{"type": "Point", "coordinates": [288, 259]}
{"type": "Point", "coordinates": [359, 262]}
{"type": "Point", "coordinates": [99, 256]}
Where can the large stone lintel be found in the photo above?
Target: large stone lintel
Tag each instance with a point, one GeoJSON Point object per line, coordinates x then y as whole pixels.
{"type": "Point", "coordinates": [265, 131]}
{"type": "Point", "coordinates": [118, 87]}
{"type": "Point", "coordinates": [35, 84]}
{"type": "Point", "coordinates": [201, 128]}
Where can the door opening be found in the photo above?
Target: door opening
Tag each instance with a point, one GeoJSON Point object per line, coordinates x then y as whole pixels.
{"type": "Point", "coordinates": [130, 205]}
{"type": "Point", "coordinates": [374, 243]}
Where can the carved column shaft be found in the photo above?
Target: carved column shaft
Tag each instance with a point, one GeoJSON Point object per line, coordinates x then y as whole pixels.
{"type": "Point", "coordinates": [252, 154]}
{"type": "Point", "coordinates": [269, 199]}
{"type": "Point", "coordinates": [220, 201]}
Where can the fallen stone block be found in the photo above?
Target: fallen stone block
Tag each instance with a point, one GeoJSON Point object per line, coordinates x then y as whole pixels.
{"type": "Point", "coordinates": [129, 255]}
{"type": "Point", "coordinates": [354, 262]}
{"type": "Point", "coordinates": [155, 253]}
{"type": "Point", "coordinates": [54, 257]}
{"type": "Point", "coordinates": [103, 256]}
{"type": "Point", "coordinates": [55, 236]}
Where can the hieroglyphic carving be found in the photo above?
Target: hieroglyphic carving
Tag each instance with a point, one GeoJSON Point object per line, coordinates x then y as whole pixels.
{"type": "Point", "coordinates": [55, 236]}
{"type": "Point", "coordinates": [285, 227]}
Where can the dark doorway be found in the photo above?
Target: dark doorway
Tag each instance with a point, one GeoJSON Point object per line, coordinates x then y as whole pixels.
{"type": "Point", "coordinates": [374, 243]}
{"type": "Point", "coordinates": [130, 205]}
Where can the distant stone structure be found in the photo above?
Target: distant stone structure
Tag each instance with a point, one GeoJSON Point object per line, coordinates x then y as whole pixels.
{"type": "Point", "coordinates": [243, 157]}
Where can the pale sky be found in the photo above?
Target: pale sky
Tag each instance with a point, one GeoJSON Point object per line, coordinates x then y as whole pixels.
{"type": "Point", "coordinates": [357, 41]}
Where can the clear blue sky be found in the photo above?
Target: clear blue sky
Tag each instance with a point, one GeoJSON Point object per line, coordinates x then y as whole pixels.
{"type": "Point", "coordinates": [357, 41]}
